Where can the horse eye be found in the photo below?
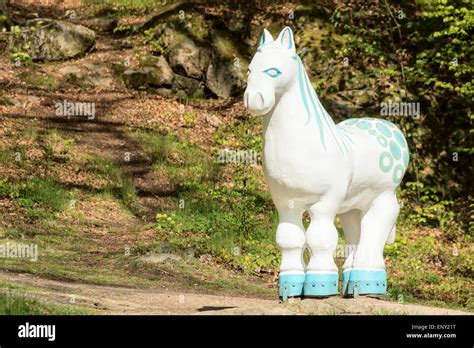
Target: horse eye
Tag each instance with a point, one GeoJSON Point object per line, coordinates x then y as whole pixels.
{"type": "Point", "coordinates": [272, 72]}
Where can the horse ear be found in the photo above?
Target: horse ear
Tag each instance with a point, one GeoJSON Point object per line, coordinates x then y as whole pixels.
{"type": "Point", "coordinates": [265, 38]}
{"type": "Point", "coordinates": [286, 39]}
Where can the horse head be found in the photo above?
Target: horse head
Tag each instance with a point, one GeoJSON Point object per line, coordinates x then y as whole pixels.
{"type": "Point", "coordinates": [272, 71]}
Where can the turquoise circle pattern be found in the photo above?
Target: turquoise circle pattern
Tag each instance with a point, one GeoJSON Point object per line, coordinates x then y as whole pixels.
{"type": "Point", "coordinates": [363, 125]}
{"type": "Point", "coordinates": [383, 164]}
{"type": "Point", "coordinates": [406, 158]}
{"type": "Point", "coordinates": [398, 174]}
{"type": "Point", "coordinates": [400, 138]}
{"type": "Point", "coordinates": [384, 129]}
{"type": "Point", "coordinates": [382, 141]}
{"type": "Point", "coordinates": [389, 124]}
{"type": "Point", "coordinates": [351, 121]}
{"type": "Point", "coordinates": [395, 150]}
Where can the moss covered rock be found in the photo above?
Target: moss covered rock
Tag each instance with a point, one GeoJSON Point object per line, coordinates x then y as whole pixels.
{"type": "Point", "coordinates": [51, 40]}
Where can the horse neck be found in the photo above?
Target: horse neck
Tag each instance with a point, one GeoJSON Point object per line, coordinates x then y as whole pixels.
{"type": "Point", "coordinates": [302, 96]}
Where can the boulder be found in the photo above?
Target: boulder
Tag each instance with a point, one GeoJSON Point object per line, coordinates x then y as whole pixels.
{"type": "Point", "coordinates": [88, 75]}
{"type": "Point", "coordinates": [189, 60]}
{"type": "Point", "coordinates": [51, 40]}
{"type": "Point", "coordinates": [162, 71]}
{"type": "Point", "coordinates": [101, 24]}
{"type": "Point", "coordinates": [189, 86]}
{"type": "Point", "coordinates": [155, 72]}
{"type": "Point", "coordinates": [224, 79]}
{"type": "Point", "coordinates": [139, 78]}
{"type": "Point", "coordinates": [225, 75]}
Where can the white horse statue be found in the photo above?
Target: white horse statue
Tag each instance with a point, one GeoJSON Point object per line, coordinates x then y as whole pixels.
{"type": "Point", "coordinates": [351, 169]}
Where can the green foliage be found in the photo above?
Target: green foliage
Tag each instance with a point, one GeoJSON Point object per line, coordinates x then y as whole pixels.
{"type": "Point", "coordinates": [226, 224]}
{"type": "Point", "coordinates": [21, 57]}
{"type": "Point", "coordinates": [444, 65]}
{"type": "Point", "coordinates": [244, 134]}
{"type": "Point", "coordinates": [187, 167]}
{"type": "Point", "coordinates": [431, 258]}
{"type": "Point", "coordinates": [425, 207]}
{"type": "Point", "coordinates": [157, 48]}
{"type": "Point", "coordinates": [425, 266]}
{"type": "Point", "coordinates": [419, 51]}
{"type": "Point", "coordinates": [159, 147]}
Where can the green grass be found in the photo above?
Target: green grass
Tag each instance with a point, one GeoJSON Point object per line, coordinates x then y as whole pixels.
{"type": "Point", "coordinates": [124, 5]}
{"type": "Point", "coordinates": [13, 304]}
{"type": "Point", "coordinates": [243, 134]}
{"type": "Point", "coordinates": [422, 266]}
{"type": "Point", "coordinates": [5, 101]}
{"type": "Point", "coordinates": [118, 185]}
{"type": "Point", "coordinates": [38, 197]}
{"type": "Point", "coordinates": [45, 192]}
{"type": "Point", "coordinates": [39, 80]}
{"type": "Point", "coordinates": [233, 224]}
{"type": "Point", "coordinates": [159, 147]}
{"type": "Point", "coordinates": [188, 167]}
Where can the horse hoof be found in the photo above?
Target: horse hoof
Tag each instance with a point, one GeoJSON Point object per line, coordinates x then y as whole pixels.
{"type": "Point", "coordinates": [290, 285]}
{"type": "Point", "coordinates": [321, 284]}
{"type": "Point", "coordinates": [364, 282]}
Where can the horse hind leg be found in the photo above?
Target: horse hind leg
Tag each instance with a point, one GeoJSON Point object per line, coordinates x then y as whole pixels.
{"type": "Point", "coordinates": [351, 221]}
{"type": "Point", "coordinates": [367, 275]}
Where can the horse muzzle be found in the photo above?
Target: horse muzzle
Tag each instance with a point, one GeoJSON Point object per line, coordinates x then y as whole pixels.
{"type": "Point", "coordinates": [258, 102]}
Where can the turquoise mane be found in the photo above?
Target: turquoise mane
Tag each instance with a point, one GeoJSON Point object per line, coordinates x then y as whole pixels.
{"type": "Point", "coordinates": [318, 112]}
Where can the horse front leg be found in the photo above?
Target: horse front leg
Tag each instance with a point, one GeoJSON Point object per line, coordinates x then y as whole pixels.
{"type": "Point", "coordinates": [321, 237]}
{"type": "Point", "coordinates": [290, 241]}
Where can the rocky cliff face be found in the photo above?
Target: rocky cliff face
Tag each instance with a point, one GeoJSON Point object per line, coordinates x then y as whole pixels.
{"type": "Point", "coordinates": [188, 50]}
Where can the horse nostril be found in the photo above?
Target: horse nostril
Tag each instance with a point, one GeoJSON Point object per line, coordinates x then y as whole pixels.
{"type": "Point", "coordinates": [260, 101]}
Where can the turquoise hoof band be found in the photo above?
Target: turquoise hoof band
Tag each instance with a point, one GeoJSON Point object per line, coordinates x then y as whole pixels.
{"type": "Point", "coordinates": [290, 285]}
{"type": "Point", "coordinates": [363, 282]}
{"type": "Point", "coordinates": [345, 281]}
{"type": "Point", "coordinates": [321, 284]}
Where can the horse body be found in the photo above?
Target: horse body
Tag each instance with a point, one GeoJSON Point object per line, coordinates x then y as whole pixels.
{"type": "Point", "coordinates": [311, 164]}
{"type": "Point", "coordinates": [288, 144]}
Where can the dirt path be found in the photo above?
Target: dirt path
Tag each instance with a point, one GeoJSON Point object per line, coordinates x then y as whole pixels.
{"type": "Point", "coordinates": [121, 300]}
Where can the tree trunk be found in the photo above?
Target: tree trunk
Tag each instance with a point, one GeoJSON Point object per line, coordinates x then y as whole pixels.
{"type": "Point", "coordinates": [3, 7]}
{"type": "Point", "coordinates": [4, 19]}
